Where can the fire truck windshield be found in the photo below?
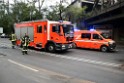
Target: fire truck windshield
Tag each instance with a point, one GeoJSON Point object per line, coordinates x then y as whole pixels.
{"type": "Point", "coordinates": [68, 28]}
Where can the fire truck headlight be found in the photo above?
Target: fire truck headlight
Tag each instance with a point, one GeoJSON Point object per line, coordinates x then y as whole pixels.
{"type": "Point", "coordinates": [63, 46]}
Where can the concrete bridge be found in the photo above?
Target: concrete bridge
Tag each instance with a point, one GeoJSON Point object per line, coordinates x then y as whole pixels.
{"type": "Point", "coordinates": [108, 17]}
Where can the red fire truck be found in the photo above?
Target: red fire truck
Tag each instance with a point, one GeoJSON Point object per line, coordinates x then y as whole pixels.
{"type": "Point", "coordinates": [51, 35]}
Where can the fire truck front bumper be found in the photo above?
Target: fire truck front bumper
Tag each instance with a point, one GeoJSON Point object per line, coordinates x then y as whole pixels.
{"type": "Point", "coordinates": [64, 46]}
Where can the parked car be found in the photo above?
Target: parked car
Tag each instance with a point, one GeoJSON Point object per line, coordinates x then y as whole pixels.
{"type": "Point", "coordinates": [3, 35]}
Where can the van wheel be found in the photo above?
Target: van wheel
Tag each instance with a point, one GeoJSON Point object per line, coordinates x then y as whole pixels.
{"type": "Point", "coordinates": [51, 47]}
{"type": "Point", "coordinates": [104, 48]}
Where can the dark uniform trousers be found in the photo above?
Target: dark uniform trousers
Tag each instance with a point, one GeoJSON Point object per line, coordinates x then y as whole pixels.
{"type": "Point", "coordinates": [25, 43]}
{"type": "Point", "coordinates": [13, 40]}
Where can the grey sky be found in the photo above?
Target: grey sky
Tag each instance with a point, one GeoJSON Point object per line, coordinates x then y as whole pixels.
{"type": "Point", "coordinates": [47, 3]}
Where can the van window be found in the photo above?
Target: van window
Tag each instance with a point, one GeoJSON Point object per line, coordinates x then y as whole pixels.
{"type": "Point", "coordinates": [39, 29]}
{"type": "Point", "coordinates": [96, 36]}
{"type": "Point", "coordinates": [86, 35]}
{"type": "Point", "coordinates": [56, 28]}
{"type": "Point", "coordinates": [106, 35]}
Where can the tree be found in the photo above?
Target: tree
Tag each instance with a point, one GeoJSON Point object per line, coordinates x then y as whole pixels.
{"type": "Point", "coordinates": [19, 11]}
{"type": "Point", "coordinates": [37, 12]}
{"type": "Point", "coordinates": [61, 8]}
{"type": "Point", "coordinates": [40, 4]}
{"type": "Point", "coordinates": [75, 14]}
{"type": "Point", "coordinates": [5, 20]}
{"type": "Point", "coordinates": [53, 14]}
{"type": "Point", "coordinates": [57, 10]}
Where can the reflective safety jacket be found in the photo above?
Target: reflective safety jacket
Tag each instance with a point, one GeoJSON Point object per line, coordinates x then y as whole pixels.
{"type": "Point", "coordinates": [13, 37]}
{"type": "Point", "coordinates": [25, 41]}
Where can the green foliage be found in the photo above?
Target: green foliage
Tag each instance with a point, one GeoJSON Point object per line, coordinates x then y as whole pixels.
{"type": "Point", "coordinates": [19, 11]}
{"type": "Point", "coordinates": [56, 11]}
{"type": "Point", "coordinates": [53, 14]}
{"type": "Point", "coordinates": [75, 14]}
{"type": "Point", "coordinates": [6, 23]}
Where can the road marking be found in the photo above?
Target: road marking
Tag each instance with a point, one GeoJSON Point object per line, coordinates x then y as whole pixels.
{"type": "Point", "coordinates": [43, 77]}
{"type": "Point", "coordinates": [1, 56]}
{"type": "Point", "coordinates": [81, 59]}
{"type": "Point", "coordinates": [5, 45]}
{"type": "Point", "coordinates": [88, 61]}
{"type": "Point", "coordinates": [51, 73]}
{"type": "Point", "coordinates": [24, 66]}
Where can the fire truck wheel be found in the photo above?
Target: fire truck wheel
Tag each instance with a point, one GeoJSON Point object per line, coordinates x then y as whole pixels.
{"type": "Point", "coordinates": [104, 48]}
{"type": "Point", "coordinates": [51, 48]}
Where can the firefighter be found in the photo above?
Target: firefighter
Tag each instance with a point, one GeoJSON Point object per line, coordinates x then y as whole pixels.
{"type": "Point", "coordinates": [13, 40]}
{"type": "Point", "coordinates": [25, 42]}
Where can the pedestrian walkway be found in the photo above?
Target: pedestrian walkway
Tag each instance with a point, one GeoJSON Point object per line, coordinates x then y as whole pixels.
{"type": "Point", "coordinates": [120, 47]}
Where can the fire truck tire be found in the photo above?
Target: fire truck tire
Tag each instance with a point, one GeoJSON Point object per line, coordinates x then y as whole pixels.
{"type": "Point", "coordinates": [51, 47]}
{"type": "Point", "coordinates": [104, 48]}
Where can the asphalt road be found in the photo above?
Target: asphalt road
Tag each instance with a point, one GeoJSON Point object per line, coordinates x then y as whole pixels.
{"type": "Point", "coordinates": [73, 66]}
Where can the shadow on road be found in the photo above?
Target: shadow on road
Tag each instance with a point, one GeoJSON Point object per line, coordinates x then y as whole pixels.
{"type": "Point", "coordinates": [57, 52]}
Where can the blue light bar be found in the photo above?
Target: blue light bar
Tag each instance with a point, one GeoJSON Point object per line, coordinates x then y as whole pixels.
{"type": "Point", "coordinates": [92, 29]}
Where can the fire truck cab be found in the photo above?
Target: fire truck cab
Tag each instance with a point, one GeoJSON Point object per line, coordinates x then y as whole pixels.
{"type": "Point", "coordinates": [93, 40]}
{"type": "Point", "coordinates": [51, 35]}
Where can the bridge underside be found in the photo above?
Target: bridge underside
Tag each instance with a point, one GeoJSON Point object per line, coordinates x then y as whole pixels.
{"type": "Point", "coordinates": [112, 19]}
